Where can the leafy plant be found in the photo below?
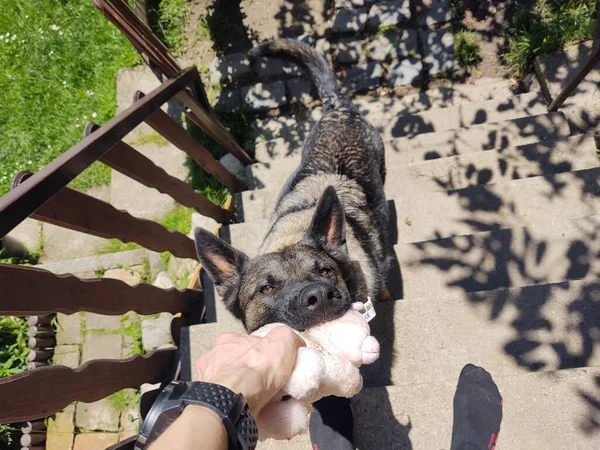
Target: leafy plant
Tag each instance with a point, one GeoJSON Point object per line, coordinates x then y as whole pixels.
{"type": "Point", "coordinates": [545, 26]}
{"type": "Point", "coordinates": [466, 49]}
{"type": "Point", "coordinates": [133, 329]}
{"type": "Point", "coordinates": [13, 345]}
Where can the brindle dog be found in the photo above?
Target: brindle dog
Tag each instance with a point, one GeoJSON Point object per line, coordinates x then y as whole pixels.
{"type": "Point", "coordinates": [327, 245]}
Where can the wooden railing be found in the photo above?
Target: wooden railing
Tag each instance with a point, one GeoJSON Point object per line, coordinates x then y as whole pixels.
{"type": "Point", "coordinates": [45, 196]}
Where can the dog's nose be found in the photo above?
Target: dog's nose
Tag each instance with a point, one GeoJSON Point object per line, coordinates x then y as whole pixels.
{"type": "Point", "coordinates": [318, 297]}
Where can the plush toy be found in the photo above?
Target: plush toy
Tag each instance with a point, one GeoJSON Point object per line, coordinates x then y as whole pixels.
{"type": "Point", "coordinates": [328, 365]}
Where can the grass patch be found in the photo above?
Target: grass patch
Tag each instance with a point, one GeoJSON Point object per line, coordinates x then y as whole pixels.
{"type": "Point", "coordinates": [133, 329]}
{"type": "Point", "coordinates": [179, 219]}
{"type": "Point", "coordinates": [150, 138]}
{"type": "Point", "coordinates": [167, 19]}
{"type": "Point", "coordinates": [466, 49]}
{"type": "Point", "coordinates": [115, 245]}
{"type": "Point", "coordinates": [100, 273]}
{"type": "Point", "coordinates": [546, 26]}
{"type": "Point", "coordinates": [124, 399]}
{"type": "Point", "coordinates": [59, 65]}
{"type": "Point", "coordinates": [13, 345]}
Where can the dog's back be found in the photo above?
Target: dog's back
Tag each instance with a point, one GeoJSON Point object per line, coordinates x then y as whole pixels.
{"type": "Point", "coordinates": [344, 151]}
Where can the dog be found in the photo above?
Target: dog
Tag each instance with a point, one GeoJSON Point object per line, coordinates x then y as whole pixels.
{"type": "Point", "coordinates": [326, 245]}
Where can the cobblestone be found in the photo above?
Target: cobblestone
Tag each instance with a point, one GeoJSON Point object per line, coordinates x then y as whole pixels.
{"type": "Point", "coordinates": [228, 100]}
{"type": "Point", "coordinates": [95, 441]}
{"type": "Point", "coordinates": [405, 72]}
{"type": "Point", "coordinates": [438, 50]}
{"type": "Point", "coordinates": [389, 13]}
{"type": "Point", "coordinates": [350, 50]}
{"type": "Point", "coordinates": [97, 416]}
{"type": "Point", "coordinates": [363, 77]}
{"type": "Point", "coordinates": [394, 45]}
{"type": "Point", "coordinates": [267, 67]}
{"type": "Point", "coordinates": [350, 20]}
{"type": "Point", "coordinates": [300, 90]}
{"type": "Point", "coordinates": [264, 96]}
{"type": "Point", "coordinates": [230, 68]}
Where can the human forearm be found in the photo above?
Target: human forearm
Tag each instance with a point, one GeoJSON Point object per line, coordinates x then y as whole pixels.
{"type": "Point", "coordinates": [197, 428]}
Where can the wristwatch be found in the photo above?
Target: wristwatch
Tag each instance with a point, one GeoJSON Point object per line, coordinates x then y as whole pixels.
{"type": "Point", "coordinates": [241, 428]}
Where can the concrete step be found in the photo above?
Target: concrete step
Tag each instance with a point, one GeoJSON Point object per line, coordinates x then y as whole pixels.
{"type": "Point", "coordinates": [544, 199]}
{"type": "Point", "coordinates": [455, 172]}
{"type": "Point", "coordinates": [554, 411]}
{"type": "Point", "coordinates": [550, 251]}
{"type": "Point", "coordinates": [507, 331]}
{"type": "Point", "coordinates": [418, 216]}
{"type": "Point", "coordinates": [462, 116]}
{"type": "Point", "coordinates": [411, 149]}
{"type": "Point", "coordinates": [372, 107]}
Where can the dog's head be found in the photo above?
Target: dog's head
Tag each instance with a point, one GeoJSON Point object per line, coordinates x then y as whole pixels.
{"type": "Point", "coordinates": [301, 286]}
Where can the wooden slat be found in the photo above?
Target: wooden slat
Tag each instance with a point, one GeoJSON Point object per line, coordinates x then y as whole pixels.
{"type": "Point", "coordinates": [136, 166]}
{"type": "Point", "coordinates": [42, 392]}
{"type": "Point", "coordinates": [214, 129]}
{"type": "Point", "coordinates": [80, 212]}
{"type": "Point", "coordinates": [179, 137]}
{"type": "Point", "coordinates": [30, 291]}
{"type": "Point", "coordinates": [19, 203]}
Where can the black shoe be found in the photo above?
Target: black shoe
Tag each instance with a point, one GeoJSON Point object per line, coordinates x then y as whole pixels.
{"type": "Point", "coordinates": [477, 411]}
{"type": "Point", "coordinates": [331, 424]}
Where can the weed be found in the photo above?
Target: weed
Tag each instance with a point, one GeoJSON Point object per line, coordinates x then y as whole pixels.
{"type": "Point", "coordinates": [165, 257]}
{"type": "Point", "coordinates": [204, 28]}
{"type": "Point", "coordinates": [168, 20]}
{"type": "Point", "coordinates": [546, 26]}
{"type": "Point", "coordinates": [100, 273]}
{"type": "Point", "coordinates": [59, 65]}
{"type": "Point", "coordinates": [82, 324]}
{"type": "Point", "coordinates": [115, 246]}
{"type": "Point", "coordinates": [133, 329]}
{"type": "Point", "coordinates": [122, 400]}
{"type": "Point", "coordinates": [466, 49]}
{"type": "Point", "coordinates": [179, 219]}
{"type": "Point", "coordinates": [103, 332]}
{"type": "Point", "coordinates": [150, 138]}
{"type": "Point", "coordinates": [146, 272]}
{"type": "Point", "coordinates": [13, 345]}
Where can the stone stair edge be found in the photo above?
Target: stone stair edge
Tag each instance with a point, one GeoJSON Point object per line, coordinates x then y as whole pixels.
{"type": "Point", "coordinates": [96, 262]}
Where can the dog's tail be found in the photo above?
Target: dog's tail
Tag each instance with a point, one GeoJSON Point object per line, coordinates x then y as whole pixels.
{"type": "Point", "coordinates": [306, 56]}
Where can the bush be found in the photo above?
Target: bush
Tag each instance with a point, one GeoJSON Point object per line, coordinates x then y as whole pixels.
{"type": "Point", "coordinates": [13, 345]}
{"type": "Point", "coordinates": [546, 26]}
{"type": "Point", "coordinates": [466, 49]}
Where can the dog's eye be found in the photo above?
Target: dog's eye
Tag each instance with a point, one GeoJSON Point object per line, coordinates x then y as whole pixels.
{"type": "Point", "coordinates": [325, 271]}
{"type": "Point", "coordinates": [267, 290]}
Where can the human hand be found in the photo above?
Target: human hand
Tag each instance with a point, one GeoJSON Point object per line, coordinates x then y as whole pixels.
{"type": "Point", "coordinates": [256, 367]}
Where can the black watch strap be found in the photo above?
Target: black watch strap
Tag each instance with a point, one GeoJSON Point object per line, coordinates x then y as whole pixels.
{"type": "Point", "coordinates": [241, 428]}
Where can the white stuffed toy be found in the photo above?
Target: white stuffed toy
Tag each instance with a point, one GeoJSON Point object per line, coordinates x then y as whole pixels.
{"type": "Point", "coordinates": [328, 365]}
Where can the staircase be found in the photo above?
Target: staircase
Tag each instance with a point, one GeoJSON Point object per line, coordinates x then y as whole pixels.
{"type": "Point", "coordinates": [496, 222]}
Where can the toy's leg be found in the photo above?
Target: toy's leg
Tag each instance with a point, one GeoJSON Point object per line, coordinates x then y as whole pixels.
{"type": "Point", "coordinates": [331, 424]}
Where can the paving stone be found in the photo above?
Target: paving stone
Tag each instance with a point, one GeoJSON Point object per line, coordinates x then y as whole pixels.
{"type": "Point", "coordinates": [95, 321]}
{"type": "Point", "coordinates": [230, 68]}
{"type": "Point", "coordinates": [156, 331]}
{"type": "Point", "coordinates": [432, 12]}
{"type": "Point", "coordinates": [25, 237]}
{"type": "Point", "coordinates": [69, 329]}
{"type": "Point", "coordinates": [264, 96]}
{"type": "Point", "coordinates": [405, 72]}
{"type": "Point", "coordinates": [198, 220]}
{"type": "Point", "coordinates": [350, 20]}
{"type": "Point", "coordinates": [163, 281]}
{"type": "Point", "coordinates": [363, 77]}
{"type": "Point", "coordinates": [127, 194]}
{"type": "Point", "coordinates": [96, 262]}
{"type": "Point", "coordinates": [59, 434]}
{"type": "Point", "coordinates": [300, 90]}
{"type": "Point", "coordinates": [267, 67]}
{"type": "Point", "coordinates": [438, 50]}
{"type": "Point", "coordinates": [384, 14]}
{"type": "Point", "coordinates": [61, 243]}
{"type": "Point", "coordinates": [339, 4]}
{"type": "Point", "coordinates": [97, 416]}
{"type": "Point", "coordinates": [131, 275]}
{"type": "Point", "coordinates": [101, 346]}
{"type": "Point", "coordinates": [350, 50]}
{"type": "Point", "coordinates": [228, 100]}
{"type": "Point", "coordinates": [95, 441]}
{"type": "Point", "coordinates": [66, 355]}
{"type": "Point", "coordinates": [233, 166]}
{"type": "Point", "coordinates": [323, 46]}
{"type": "Point", "coordinates": [394, 45]}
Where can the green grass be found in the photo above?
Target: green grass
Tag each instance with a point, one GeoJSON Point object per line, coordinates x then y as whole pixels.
{"type": "Point", "coordinates": [544, 27]}
{"type": "Point", "coordinates": [179, 219]}
{"type": "Point", "coordinates": [150, 138]}
{"type": "Point", "coordinates": [59, 63]}
{"type": "Point", "coordinates": [466, 49]}
{"type": "Point", "coordinates": [168, 21]}
{"type": "Point", "coordinates": [115, 245]}
{"type": "Point", "coordinates": [13, 345]}
{"type": "Point", "coordinates": [122, 400]}
{"type": "Point", "coordinates": [133, 329]}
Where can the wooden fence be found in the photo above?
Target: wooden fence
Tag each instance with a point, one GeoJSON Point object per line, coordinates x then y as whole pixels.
{"type": "Point", "coordinates": [27, 291]}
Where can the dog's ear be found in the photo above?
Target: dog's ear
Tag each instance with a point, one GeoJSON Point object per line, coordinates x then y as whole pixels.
{"type": "Point", "coordinates": [221, 261]}
{"type": "Point", "coordinates": [328, 228]}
